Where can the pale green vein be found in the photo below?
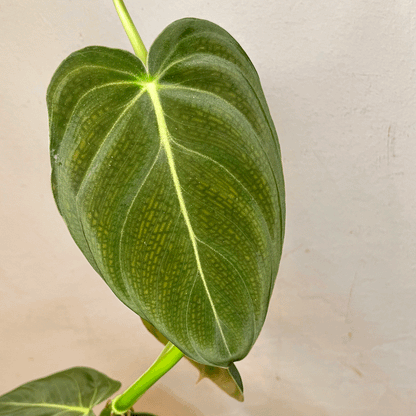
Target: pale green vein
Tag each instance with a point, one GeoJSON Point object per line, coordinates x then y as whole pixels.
{"type": "Point", "coordinates": [107, 68]}
{"type": "Point", "coordinates": [257, 208]}
{"type": "Point", "coordinates": [84, 410]}
{"type": "Point", "coordinates": [164, 138]}
{"type": "Point", "coordinates": [256, 135]}
{"type": "Point", "coordinates": [254, 88]}
{"type": "Point", "coordinates": [218, 97]}
{"type": "Point", "coordinates": [88, 172]}
{"type": "Point", "coordinates": [186, 319]}
{"type": "Point", "coordinates": [130, 290]}
{"type": "Point", "coordinates": [108, 84]}
{"type": "Point", "coordinates": [62, 82]}
{"type": "Point", "coordinates": [190, 151]}
{"type": "Point", "coordinates": [241, 279]}
{"type": "Point", "coordinates": [160, 74]}
{"type": "Point", "coordinates": [93, 164]}
{"type": "Point", "coordinates": [166, 253]}
{"type": "Point", "coordinates": [209, 54]}
{"type": "Point", "coordinates": [75, 381]}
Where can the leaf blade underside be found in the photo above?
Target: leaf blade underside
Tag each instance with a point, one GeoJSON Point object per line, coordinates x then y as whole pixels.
{"type": "Point", "coordinates": [171, 184]}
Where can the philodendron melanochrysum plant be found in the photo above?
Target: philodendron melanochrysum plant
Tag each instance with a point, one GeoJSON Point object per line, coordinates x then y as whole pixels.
{"type": "Point", "coordinates": [167, 171]}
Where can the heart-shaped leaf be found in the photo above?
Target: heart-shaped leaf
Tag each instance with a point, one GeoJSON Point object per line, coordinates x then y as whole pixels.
{"type": "Point", "coordinates": [227, 379]}
{"type": "Point", "coordinates": [170, 181]}
{"type": "Point", "coordinates": [73, 392]}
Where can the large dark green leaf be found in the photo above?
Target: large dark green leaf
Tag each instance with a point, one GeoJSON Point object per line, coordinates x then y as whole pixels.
{"type": "Point", "coordinates": [170, 182]}
{"type": "Point", "coordinates": [73, 392]}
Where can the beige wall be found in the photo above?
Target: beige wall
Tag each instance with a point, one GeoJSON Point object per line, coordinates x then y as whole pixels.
{"type": "Point", "coordinates": [340, 338]}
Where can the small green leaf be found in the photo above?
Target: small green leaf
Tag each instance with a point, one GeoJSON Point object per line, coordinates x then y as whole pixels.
{"type": "Point", "coordinates": [106, 411]}
{"type": "Point", "coordinates": [73, 392]}
{"type": "Point", "coordinates": [227, 379]}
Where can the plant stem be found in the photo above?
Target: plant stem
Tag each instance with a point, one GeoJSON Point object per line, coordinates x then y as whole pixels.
{"type": "Point", "coordinates": [132, 33]}
{"type": "Point", "coordinates": [166, 360]}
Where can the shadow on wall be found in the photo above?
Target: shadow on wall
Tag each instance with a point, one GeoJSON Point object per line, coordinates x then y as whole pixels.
{"type": "Point", "coordinates": [277, 407]}
{"type": "Point", "coordinates": [161, 401]}
{"type": "Point", "coordinates": [320, 353]}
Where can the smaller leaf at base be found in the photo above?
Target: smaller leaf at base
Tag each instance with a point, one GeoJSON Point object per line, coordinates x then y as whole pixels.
{"type": "Point", "coordinates": [73, 392]}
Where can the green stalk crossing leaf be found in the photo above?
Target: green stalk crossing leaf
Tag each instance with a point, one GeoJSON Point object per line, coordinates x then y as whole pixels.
{"type": "Point", "coordinates": [227, 379]}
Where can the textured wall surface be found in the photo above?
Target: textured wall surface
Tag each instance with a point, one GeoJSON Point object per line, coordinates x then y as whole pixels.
{"type": "Point", "coordinates": [340, 337]}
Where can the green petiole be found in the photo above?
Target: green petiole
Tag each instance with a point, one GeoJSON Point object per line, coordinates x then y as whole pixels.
{"type": "Point", "coordinates": [170, 354]}
{"type": "Point", "coordinates": [132, 33]}
{"type": "Point", "coordinates": [166, 360]}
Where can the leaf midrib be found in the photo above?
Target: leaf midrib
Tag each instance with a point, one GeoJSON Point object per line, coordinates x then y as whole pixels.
{"type": "Point", "coordinates": [84, 410]}
{"type": "Point", "coordinates": [151, 88]}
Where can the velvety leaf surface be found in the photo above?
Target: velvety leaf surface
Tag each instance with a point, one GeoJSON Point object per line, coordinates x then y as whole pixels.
{"type": "Point", "coordinates": [170, 182]}
{"type": "Point", "coordinates": [227, 379]}
{"type": "Point", "coordinates": [73, 392]}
